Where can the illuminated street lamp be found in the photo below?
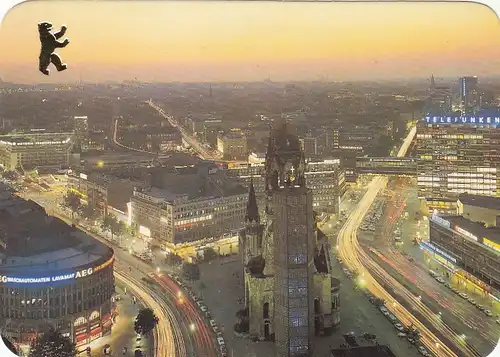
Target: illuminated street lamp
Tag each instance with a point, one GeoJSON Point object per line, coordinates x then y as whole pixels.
{"type": "Point", "coordinates": [192, 327]}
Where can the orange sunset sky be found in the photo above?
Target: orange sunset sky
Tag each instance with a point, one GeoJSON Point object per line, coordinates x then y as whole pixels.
{"type": "Point", "coordinates": [232, 41]}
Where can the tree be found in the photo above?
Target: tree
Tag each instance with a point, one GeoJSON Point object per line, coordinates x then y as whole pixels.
{"type": "Point", "coordinates": [90, 212]}
{"type": "Point", "coordinates": [52, 344]}
{"type": "Point", "coordinates": [209, 254]}
{"type": "Point", "coordinates": [191, 271]}
{"type": "Point", "coordinates": [72, 201]}
{"type": "Point", "coordinates": [145, 322]}
{"type": "Point", "coordinates": [109, 223]}
{"type": "Point", "coordinates": [9, 345]}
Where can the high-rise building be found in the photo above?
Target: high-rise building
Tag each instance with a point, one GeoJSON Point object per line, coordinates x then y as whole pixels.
{"type": "Point", "coordinates": [457, 155]}
{"type": "Point", "coordinates": [81, 128]}
{"type": "Point", "coordinates": [309, 145]}
{"type": "Point", "coordinates": [440, 99]}
{"type": "Point", "coordinates": [289, 292]}
{"type": "Point", "coordinates": [469, 94]}
{"type": "Point", "coordinates": [233, 145]}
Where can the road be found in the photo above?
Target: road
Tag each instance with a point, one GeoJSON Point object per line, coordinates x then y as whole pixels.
{"type": "Point", "coordinates": [168, 339]}
{"type": "Point", "coordinates": [200, 333]}
{"type": "Point", "coordinates": [203, 153]}
{"type": "Point", "coordinates": [356, 259]}
{"type": "Point", "coordinates": [478, 328]}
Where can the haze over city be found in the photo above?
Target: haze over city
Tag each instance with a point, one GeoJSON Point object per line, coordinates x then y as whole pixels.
{"type": "Point", "coordinates": [253, 41]}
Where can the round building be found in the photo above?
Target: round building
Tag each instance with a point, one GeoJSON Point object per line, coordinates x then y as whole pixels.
{"type": "Point", "coordinates": [53, 274]}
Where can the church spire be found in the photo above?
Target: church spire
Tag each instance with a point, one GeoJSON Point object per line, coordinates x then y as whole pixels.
{"type": "Point", "coordinates": [433, 82]}
{"type": "Point", "coordinates": [252, 208]}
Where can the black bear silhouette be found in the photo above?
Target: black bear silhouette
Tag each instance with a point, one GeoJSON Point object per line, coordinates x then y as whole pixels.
{"type": "Point", "coordinates": [49, 44]}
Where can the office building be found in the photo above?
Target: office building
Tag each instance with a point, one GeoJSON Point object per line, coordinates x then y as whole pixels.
{"type": "Point", "coordinates": [309, 145]}
{"type": "Point", "coordinates": [52, 274]}
{"type": "Point", "coordinates": [35, 150]}
{"type": "Point", "coordinates": [233, 145]}
{"type": "Point", "coordinates": [465, 247]}
{"type": "Point", "coordinates": [211, 130]}
{"type": "Point", "coordinates": [102, 191]}
{"type": "Point", "coordinates": [439, 100]}
{"type": "Point", "coordinates": [469, 95]}
{"type": "Point", "coordinates": [457, 155]}
{"type": "Point", "coordinates": [289, 291]}
{"type": "Point", "coordinates": [81, 128]}
{"type": "Point", "coordinates": [187, 204]}
{"type": "Point", "coordinates": [325, 178]}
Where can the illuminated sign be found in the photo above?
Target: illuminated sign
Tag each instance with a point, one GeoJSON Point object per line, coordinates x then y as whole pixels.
{"type": "Point", "coordinates": [433, 249]}
{"type": "Point", "coordinates": [83, 176]}
{"type": "Point", "coordinates": [465, 233]}
{"type": "Point", "coordinates": [4, 279]}
{"type": "Point", "coordinates": [468, 120]}
{"type": "Point", "coordinates": [492, 245]}
{"type": "Point", "coordinates": [440, 221]}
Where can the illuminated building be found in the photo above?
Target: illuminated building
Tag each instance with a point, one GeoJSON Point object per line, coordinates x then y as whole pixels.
{"type": "Point", "coordinates": [186, 204]}
{"type": "Point", "coordinates": [457, 155]}
{"type": "Point", "coordinates": [289, 290]}
{"type": "Point", "coordinates": [324, 177]}
{"type": "Point", "coordinates": [469, 94]}
{"type": "Point", "coordinates": [52, 274]}
{"type": "Point", "coordinates": [233, 145]}
{"type": "Point", "coordinates": [81, 128]}
{"type": "Point", "coordinates": [35, 150]}
{"type": "Point", "coordinates": [468, 249]}
{"type": "Point", "coordinates": [102, 191]}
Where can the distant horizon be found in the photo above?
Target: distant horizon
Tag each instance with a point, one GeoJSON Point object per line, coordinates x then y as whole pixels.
{"type": "Point", "coordinates": [214, 41]}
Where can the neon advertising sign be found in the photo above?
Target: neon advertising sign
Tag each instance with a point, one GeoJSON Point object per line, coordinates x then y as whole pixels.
{"type": "Point", "coordinates": [6, 279]}
{"type": "Point", "coordinates": [467, 120]}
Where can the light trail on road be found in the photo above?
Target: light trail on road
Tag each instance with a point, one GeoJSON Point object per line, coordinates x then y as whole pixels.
{"type": "Point", "coordinates": [170, 342]}
{"type": "Point", "coordinates": [357, 260]}
{"type": "Point", "coordinates": [202, 335]}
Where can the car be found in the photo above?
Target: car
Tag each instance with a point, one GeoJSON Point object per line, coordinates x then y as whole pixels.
{"type": "Point", "coordinates": [488, 313]}
{"type": "Point", "coordinates": [212, 323]}
{"type": "Point", "coordinates": [411, 340]}
{"type": "Point", "coordinates": [448, 285]}
{"type": "Point", "coordinates": [455, 290]}
{"type": "Point", "coordinates": [391, 317]}
{"type": "Point", "coordinates": [399, 327]}
{"type": "Point", "coordinates": [383, 309]}
{"type": "Point", "coordinates": [220, 341]}
{"type": "Point", "coordinates": [498, 321]}
{"type": "Point", "coordinates": [423, 351]}
{"type": "Point", "coordinates": [472, 301]}
{"type": "Point", "coordinates": [203, 308]}
{"type": "Point", "coordinates": [463, 295]}
{"type": "Point", "coordinates": [480, 307]}
{"type": "Point", "coordinates": [401, 334]}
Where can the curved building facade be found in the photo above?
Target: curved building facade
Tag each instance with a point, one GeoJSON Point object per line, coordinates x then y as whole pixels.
{"type": "Point", "coordinates": [56, 276]}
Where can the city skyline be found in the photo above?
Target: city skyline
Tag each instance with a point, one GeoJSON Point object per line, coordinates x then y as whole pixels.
{"type": "Point", "coordinates": [328, 41]}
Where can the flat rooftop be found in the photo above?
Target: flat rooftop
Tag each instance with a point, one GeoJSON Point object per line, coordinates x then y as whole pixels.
{"type": "Point", "coordinates": [36, 138]}
{"type": "Point", "coordinates": [480, 201]}
{"type": "Point", "coordinates": [476, 228]}
{"type": "Point", "coordinates": [194, 181]}
{"type": "Point", "coordinates": [35, 241]}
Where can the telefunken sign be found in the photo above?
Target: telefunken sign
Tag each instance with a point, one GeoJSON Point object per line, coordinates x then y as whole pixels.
{"type": "Point", "coordinates": [4, 279]}
{"type": "Point", "coordinates": [468, 120]}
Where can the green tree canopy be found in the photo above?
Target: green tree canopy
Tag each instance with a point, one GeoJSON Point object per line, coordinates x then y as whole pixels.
{"type": "Point", "coordinates": [52, 344]}
{"type": "Point", "coordinates": [145, 322]}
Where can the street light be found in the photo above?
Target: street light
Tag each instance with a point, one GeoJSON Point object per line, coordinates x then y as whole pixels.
{"type": "Point", "coordinates": [192, 327]}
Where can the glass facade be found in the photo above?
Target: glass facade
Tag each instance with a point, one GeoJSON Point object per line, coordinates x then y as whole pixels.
{"type": "Point", "coordinates": [454, 159]}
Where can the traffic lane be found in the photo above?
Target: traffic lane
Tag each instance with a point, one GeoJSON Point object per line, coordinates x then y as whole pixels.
{"type": "Point", "coordinates": [420, 314]}
{"type": "Point", "coordinates": [457, 312]}
{"type": "Point", "coordinates": [165, 341]}
{"type": "Point", "coordinates": [198, 327]}
{"type": "Point", "coordinates": [351, 252]}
